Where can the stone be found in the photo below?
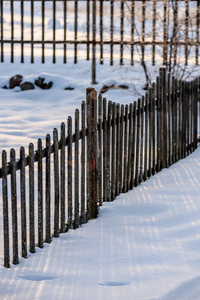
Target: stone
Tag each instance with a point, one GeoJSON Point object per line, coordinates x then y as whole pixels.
{"type": "Point", "coordinates": [40, 83]}
{"type": "Point", "coordinates": [27, 86]}
{"type": "Point", "coordinates": [69, 88]}
{"type": "Point", "coordinates": [15, 81]}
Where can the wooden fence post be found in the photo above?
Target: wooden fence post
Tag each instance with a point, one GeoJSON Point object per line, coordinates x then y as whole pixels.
{"type": "Point", "coordinates": [104, 148]}
{"type": "Point", "coordinates": [76, 173]}
{"type": "Point", "coordinates": [48, 190]}
{"type": "Point", "coordinates": [100, 121]}
{"type": "Point", "coordinates": [56, 184]}
{"type": "Point", "coordinates": [62, 180]}
{"type": "Point", "coordinates": [125, 181]}
{"type": "Point", "coordinates": [83, 215]}
{"type": "Point", "coordinates": [118, 158]}
{"type": "Point", "coordinates": [91, 98]}
{"type": "Point", "coordinates": [70, 221]}
{"type": "Point", "coordinates": [23, 203]}
{"type": "Point", "coordinates": [31, 199]}
{"type": "Point", "coordinates": [5, 210]}
{"type": "Point", "coordinates": [14, 206]}
{"type": "Point", "coordinates": [94, 43]}
{"type": "Point", "coordinates": [40, 196]}
{"type": "Point", "coordinates": [114, 163]}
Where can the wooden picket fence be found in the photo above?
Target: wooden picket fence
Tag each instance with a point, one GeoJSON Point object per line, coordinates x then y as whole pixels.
{"type": "Point", "coordinates": [164, 27]}
{"type": "Point", "coordinates": [116, 149]}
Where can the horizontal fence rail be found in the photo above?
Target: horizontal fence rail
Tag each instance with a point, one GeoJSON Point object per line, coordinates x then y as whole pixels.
{"type": "Point", "coordinates": [113, 149]}
{"type": "Point", "coordinates": [167, 31]}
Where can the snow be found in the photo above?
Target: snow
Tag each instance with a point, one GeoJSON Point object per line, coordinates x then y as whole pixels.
{"type": "Point", "coordinates": [145, 244]}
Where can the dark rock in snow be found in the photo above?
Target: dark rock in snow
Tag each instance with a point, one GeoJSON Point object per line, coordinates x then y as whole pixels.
{"type": "Point", "coordinates": [40, 83]}
{"type": "Point", "coordinates": [69, 88]}
{"type": "Point", "coordinates": [15, 81]}
{"type": "Point", "coordinates": [105, 88]}
{"type": "Point", "coordinates": [27, 86]}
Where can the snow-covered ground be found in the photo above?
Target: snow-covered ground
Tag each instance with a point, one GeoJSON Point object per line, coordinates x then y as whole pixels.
{"type": "Point", "coordinates": [144, 245]}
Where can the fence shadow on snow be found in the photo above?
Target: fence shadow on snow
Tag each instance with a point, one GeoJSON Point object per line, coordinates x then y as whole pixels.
{"type": "Point", "coordinates": [120, 146]}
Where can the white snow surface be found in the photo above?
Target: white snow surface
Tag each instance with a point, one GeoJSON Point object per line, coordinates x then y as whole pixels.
{"type": "Point", "coordinates": [144, 245]}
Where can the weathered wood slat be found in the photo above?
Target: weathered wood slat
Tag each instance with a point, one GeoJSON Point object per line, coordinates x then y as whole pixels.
{"type": "Point", "coordinates": [76, 174]}
{"type": "Point", "coordinates": [32, 31]}
{"type": "Point", "coordinates": [100, 150]}
{"type": "Point", "coordinates": [111, 30]}
{"type": "Point", "coordinates": [146, 136]}
{"type": "Point", "coordinates": [65, 31]}
{"type": "Point", "coordinates": [40, 196]}
{"type": "Point", "coordinates": [31, 199]}
{"type": "Point", "coordinates": [125, 181]}
{"type": "Point", "coordinates": [114, 162]}
{"type": "Point", "coordinates": [23, 203]}
{"type": "Point", "coordinates": [133, 146]}
{"type": "Point", "coordinates": [2, 30]}
{"type": "Point", "coordinates": [12, 31]}
{"type": "Point", "coordinates": [104, 149]}
{"type": "Point", "coordinates": [62, 180]}
{"type": "Point", "coordinates": [83, 214]}
{"type": "Point", "coordinates": [5, 211]}
{"type": "Point", "coordinates": [48, 190]}
{"type": "Point", "coordinates": [108, 146]}
{"type": "Point", "coordinates": [121, 152]}
{"type": "Point", "coordinates": [130, 144]}
{"type": "Point", "coordinates": [137, 163]}
{"type": "Point", "coordinates": [43, 29]}
{"type": "Point", "coordinates": [69, 183]}
{"type": "Point", "coordinates": [118, 158]}
{"type": "Point", "coordinates": [75, 30]}
{"type": "Point", "coordinates": [141, 170]}
{"type": "Point", "coordinates": [89, 154]}
{"type": "Point", "coordinates": [121, 32]}
{"type": "Point", "coordinates": [22, 30]}
{"type": "Point", "coordinates": [56, 185]}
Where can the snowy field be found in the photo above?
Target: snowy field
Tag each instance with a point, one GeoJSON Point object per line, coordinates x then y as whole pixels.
{"type": "Point", "coordinates": [144, 245]}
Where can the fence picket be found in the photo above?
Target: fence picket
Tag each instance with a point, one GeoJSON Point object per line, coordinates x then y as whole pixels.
{"type": "Point", "coordinates": [114, 162]}
{"type": "Point", "coordinates": [22, 30]}
{"type": "Point", "coordinates": [83, 215]}
{"type": "Point", "coordinates": [40, 195]}
{"type": "Point", "coordinates": [14, 206]}
{"type": "Point", "coordinates": [146, 136]}
{"type": "Point", "coordinates": [76, 174]}
{"type": "Point", "coordinates": [121, 149]}
{"type": "Point", "coordinates": [118, 158]}
{"type": "Point", "coordinates": [104, 149]}
{"type": "Point", "coordinates": [5, 210]}
{"type": "Point", "coordinates": [56, 184]}
{"type": "Point", "coordinates": [130, 143]}
{"type": "Point", "coordinates": [48, 190]}
{"type": "Point", "coordinates": [31, 199]}
{"type": "Point", "coordinates": [23, 203]}
{"type": "Point", "coordinates": [62, 179]}
{"type": "Point", "coordinates": [2, 30]}
{"type": "Point", "coordinates": [137, 163]}
{"type": "Point", "coordinates": [69, 183]}
{"type": "Point", "coordinates": [125, 182]}
{"type": "Point", "coordinates": [100, 121]}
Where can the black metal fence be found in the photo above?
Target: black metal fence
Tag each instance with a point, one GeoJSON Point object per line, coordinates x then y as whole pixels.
{"type": "Point", "coordinates": [130, 29]}
{"type": "Point", "coordinates": [116, 149]}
